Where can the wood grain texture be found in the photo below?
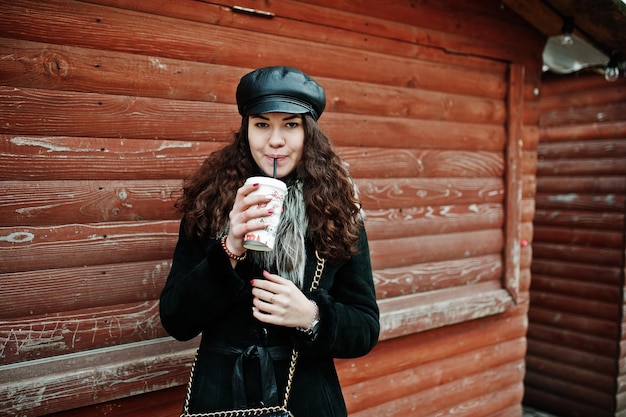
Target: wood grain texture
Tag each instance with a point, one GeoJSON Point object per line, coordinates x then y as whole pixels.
{"type": "Point", "coordinates": [204, 43]}
{"type": "Point", "coordinates": [100, 375]}
{"type": "Point", "coordinates": [36, 158]}
{"type": "Point", "coordinates": [576, 357]}
{"type": "Point", "coordinates": [96, 201]}
{"type": "Point", "coordinates": [60, 333]}
{"type": "Point", "coordinates": [107, 105]}
{"type": "Point", "coordinates": [40, 247]}
{"type": "Point", "coordinates": [48, 291]}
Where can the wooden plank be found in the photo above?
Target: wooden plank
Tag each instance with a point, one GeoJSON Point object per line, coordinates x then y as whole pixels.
{"type": "Point", "coordinates": [530, 133]}
{"type": "Point", "coordinates": [415, 350]}
{"type": "Point", "coordinates": [600, 148]}
{"type": "Point", "coordinates": [512, 226]}
{"type": "Point", "coordinates": [423, 311]}
{"type": "Point", "coordinates": [528, 167]}
{"type": "Point", "coordinates": [64, 332]}
{"type": "Point", "coordinates": [586, 393]}
{"type": "Point", "coordinates": [107, 116]}
{"type": "Point", "coordinates": [430, 220]}
{"type": "Point", "coordinates": [294, 19]}
{"type": "Point", "coordinates": [64, 202]}
{"type": "Point", "coordinates": [94, 201]}
{"type": "Point", "coordinates": [142, 367]}
{"type": "Point", "coordinates": [604, 112]}
{"type": "Point", "coordinates": [493, 402]}
{"type": "Point", "coordinates": [50, 158]}
{"type": "Point", "coordinates": [574, 201]}
{"type": "Point", "coordinates": [594, 131]}
{"type": "Point", "coordinates": [98, 375]}
{"type": "Point", "coordinates": [570, 354]}
{"type": "Point", "coordinates": [579, 218]}
{"type": "Point", "coordinates": [437, 399]}
{"type": "Point", "coordinates": [575, 253]}
{"type": "Point", "coordinates": [391, 387]}
{"type": "Point", "coordinates": [524, 285]}
{"type": "Point", "coordinates": [65, 68]}
{"type": "Point", "coordinates": [484, 29]}
{"type": "Point", "coordinates": [528, 210]}
{"type": "Point", "coordinates": [585, 307]}
{"type": "Point", "coordinates": [408, 192]}
{"type": "Point", "coordinates": [62, 67]}
{"type": "Point", "coordinates": [602, 274]}
{"type": "Point", "coordinates": [477, 128]}
{"type": "Point", "coordinates": [577, 287]}
{"type": "Point", "coordinates": [45, 112]}
{"type": "Point", "coordinates": [26, 157]}
{"type": "Point", "coordinates": [579, 236]}
{"type": "Point", "coordinates": [166, 402]}
{"type": "Point", "coordinates": [574, 322]}
{"type": "Point", "coordinates": [589, 166]}
{"type": "Point", "coordinates": [394, 253]}
{"type": "Point", "coordinates": [28, 338]}
{"type": "Point", "coordinates": [515, 410]}
{"type": "Point", "coordinates": [549, 402]}
{"type": "Point", "coordinates": [431, 276]}
{"type": "Point", "coordinates": [34, 248]}
{"type": "Point", "coordinates": [55, 290]}
{"type": "Point", "coordinates": [417, 162]}
{"type": "Point", "coordinates": [80, 24]}
{"type": "Point", "coordinates": [560, 337]}
{"type": "Point", "coordinates": [579, 119]}
{"type": "Point", "coordinates": [28, 248]}
{"type": "Point", "coordinates": [577, 87]}
{"type": "Point", "coordinates": [593, 184]}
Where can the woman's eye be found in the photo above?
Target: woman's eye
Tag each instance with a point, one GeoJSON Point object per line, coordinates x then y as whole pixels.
{"type": "Point", "coordinates": [261, 124]}
{"type": "Point", "coordinates": [292, 125]}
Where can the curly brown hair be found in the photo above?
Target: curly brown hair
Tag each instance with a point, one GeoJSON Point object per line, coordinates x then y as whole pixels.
{"type": "Point", "coordinates": [331, 203]}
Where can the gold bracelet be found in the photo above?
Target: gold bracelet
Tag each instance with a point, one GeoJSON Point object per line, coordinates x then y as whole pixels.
{"type": "Point", "coordinates": [231, 255]}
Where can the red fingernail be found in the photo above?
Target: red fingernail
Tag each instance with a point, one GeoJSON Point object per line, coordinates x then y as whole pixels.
{"type": "Point", "coordinates": [270, 211]}
{"type": "Point", "coordinates": [256, 184]}
{"type": "Point", "coordinates": [251, 282]}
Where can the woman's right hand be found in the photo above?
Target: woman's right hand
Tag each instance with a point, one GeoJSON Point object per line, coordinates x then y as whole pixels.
{"type": "Point", "coordinates": [247, 206]}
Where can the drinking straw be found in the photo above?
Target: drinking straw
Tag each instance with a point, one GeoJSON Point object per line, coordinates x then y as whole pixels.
{"type": "Point", "coordinates": [275, 167]}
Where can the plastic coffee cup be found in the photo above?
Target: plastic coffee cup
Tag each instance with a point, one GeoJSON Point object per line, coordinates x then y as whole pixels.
{"type": "Point", "coordinates": [264, 239]}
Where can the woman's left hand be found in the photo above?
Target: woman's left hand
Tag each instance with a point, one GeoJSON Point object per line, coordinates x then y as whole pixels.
{"type": "Point", "coordinates": [279, 301]}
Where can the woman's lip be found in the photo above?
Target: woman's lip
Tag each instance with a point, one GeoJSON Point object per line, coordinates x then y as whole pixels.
{"type": "Point", "coordinates": [271, 158]}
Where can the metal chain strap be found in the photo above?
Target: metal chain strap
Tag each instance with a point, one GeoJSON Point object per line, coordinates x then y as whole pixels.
{"type": "Point", "coordinates": [258, 412]}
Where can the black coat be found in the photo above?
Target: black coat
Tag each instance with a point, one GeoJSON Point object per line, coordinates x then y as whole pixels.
{"type": "Point", "coordinates": [204, 294]}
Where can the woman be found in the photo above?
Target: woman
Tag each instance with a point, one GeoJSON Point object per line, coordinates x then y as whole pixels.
{"type": "Point", "coordinates": [253, 307]}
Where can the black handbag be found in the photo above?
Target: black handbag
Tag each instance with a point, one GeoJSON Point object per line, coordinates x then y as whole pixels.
{"type": "Point", "coordinates": [275, 411]}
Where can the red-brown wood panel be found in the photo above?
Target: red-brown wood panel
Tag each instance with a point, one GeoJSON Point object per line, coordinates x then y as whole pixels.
{"type": "Point", "coordinates": [107, 105]}
{"type": "Point", "coordinates": [575, 356]}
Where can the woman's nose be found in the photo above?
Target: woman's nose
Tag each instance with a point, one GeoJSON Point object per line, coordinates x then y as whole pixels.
{"type": "Point", "coordinates": [276, 138]}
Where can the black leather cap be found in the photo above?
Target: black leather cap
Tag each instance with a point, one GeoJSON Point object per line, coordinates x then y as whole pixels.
{"type": "Point", "coordinates": [280, 89]}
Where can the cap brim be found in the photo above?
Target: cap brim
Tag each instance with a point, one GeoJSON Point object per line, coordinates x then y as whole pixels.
{"type": "Point", "coordinates": [278, 104]}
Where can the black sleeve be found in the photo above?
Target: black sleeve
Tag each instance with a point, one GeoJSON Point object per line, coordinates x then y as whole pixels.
{"type": "Point", "coordinates": [200, 285]}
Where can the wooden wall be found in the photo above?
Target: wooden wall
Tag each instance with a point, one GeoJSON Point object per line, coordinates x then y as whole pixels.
{"type": "Point", "coordinates": [576, 340]}
{"type": "Point", "coordinates": [106, 105]}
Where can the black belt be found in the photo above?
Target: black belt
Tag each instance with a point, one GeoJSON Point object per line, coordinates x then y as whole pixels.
{"type": "Point", "coordinates": [266, 355]}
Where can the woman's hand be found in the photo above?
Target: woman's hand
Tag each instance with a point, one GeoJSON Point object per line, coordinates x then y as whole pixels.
{"type": "Point", "coordinates": [246, 207]}
{"type": "Point", "coordinates": [279, 301]}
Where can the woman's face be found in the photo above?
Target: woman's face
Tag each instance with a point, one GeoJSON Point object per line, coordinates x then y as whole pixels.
{"type": "Point", "coordinates": [276, 135]}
